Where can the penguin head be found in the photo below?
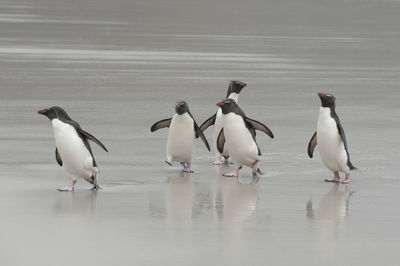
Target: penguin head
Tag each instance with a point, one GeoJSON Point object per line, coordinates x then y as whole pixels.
{"type": "Point", "coordinates": [227, 105]}
{"type": "Point", "coordinates": [327, 100]}
{"type": "Point", "coordinates": [235, 86]}
{"type": "Point", "coordinates": [54, 112]}
{"type": "Point", "coordinates": [181, 107]}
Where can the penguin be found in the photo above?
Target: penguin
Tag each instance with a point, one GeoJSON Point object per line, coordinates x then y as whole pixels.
{"type": "Point", "coordinates": [72, 148]}
{"type": "Point", "coordinates": [183, 130]}
{"type": "Point", "coordinates": [239, 132]}
{"type": "Point", "coordinates": [234, 89]}
{"type": "Point", "coordinates": [331, 141]}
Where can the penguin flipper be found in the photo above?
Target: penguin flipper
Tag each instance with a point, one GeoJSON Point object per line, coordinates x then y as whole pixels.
{"type": "Point", "coordinates": [341, 133]}
{"type": "Point", "coordinates": [58, 158]}
{"type": "Point", "coordinates": [312, 144]}
{"type": "Point", "coordinates": [161, 124]}
{"type": "Point", "coordinates": [92, 138]}
{"type": "Point", "coordinates": [200, 134]}
{"type": "Point", "coordinates": [259, 126]}
{"type": "Point", "coordinates": [209, 122]}
{"type": "Point", "coordinates": [221, 141]}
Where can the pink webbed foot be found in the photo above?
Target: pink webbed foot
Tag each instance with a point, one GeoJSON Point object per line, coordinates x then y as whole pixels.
{"type": "Point", "coordinates": [217, 161]}
{"type": "Point", "coordinates": [68, 188]}
{"type": "Point", "coordinates": [235, 173]}
{"type": "Point", "coordinates": [335, 179]}
{"type": "Point", "coordinates": [346, 180]}
{"type": "Point", "coordinates": [65, 189]}
{"type": "Point", "coordinates": [255, 168]}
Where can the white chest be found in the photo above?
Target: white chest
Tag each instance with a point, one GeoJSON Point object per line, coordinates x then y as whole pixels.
{"type": "Point", "coordinates": [242, 147]}
{"type": "Point", "coordinates": [328, 133]}
{"type": "Point", "coordinates": [234, 96]}
{"type": "Point", "coordinates": [330, 143]}
{"type": "Point", "coordinates": [180, 144]}
{"type": "Point", "coordinates": [74, 154]}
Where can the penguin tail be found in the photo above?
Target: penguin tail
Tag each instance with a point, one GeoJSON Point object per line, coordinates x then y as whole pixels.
{"type": "Point", "coordinates": [351, 166]}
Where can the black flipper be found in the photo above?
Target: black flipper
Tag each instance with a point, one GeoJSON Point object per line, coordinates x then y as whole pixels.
{"type": "Point", "coordinates": [92, 138]}
{"type": "Point", "coordinates": [312, 144]}
{"type": "Point", "coordinates": [221, 141]}
{"type": "Point", "coordinates": [58, 158]}
{"type": "Point", "coordinates": [209, 122]}
{"type": "Point", "coordinates": [161, 124]}
{"type": "Point", "coordinates": [259, 126]}
{"type": "Point", "coordinates": [200, 134]}
{"type": "Point", "coordinates": [341, 133]}
{"type": "Point", "coordinates": [84, 138]}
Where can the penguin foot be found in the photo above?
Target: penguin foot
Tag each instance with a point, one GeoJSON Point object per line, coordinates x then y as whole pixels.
{"type": "Point", "coordinates": [217, 161]}
{"type": "Point", "coordinates": [96, 187]}
{"type": "Point", "coordinates": [69, 188]}
{"type": "Point", "coordinates": [259, 171]}
{"type": "Point", "coordinates": [65, 189]}
{"type": "Point", "coordinates": [187, 170]}
{"type": "Point", "coordinates": [346, 180]}
{"type": "Point", "coordinates": [170, 164]}
{"type": "Point", "coordinates": [255, 167]}
{"type": "Point", "coordinates": [233, 174]}
{"type": "Point", "coordinates": [334, 180]}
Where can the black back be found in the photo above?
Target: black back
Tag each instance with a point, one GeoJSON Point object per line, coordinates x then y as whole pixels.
{"type": "Point", "coordinates": [57, 112]}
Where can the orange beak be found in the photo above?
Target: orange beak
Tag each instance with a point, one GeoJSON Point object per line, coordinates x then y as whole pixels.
{"type": "Point", "coordinates": [220, 103]}
{"type": "Point", "coordinates": [41, 111]}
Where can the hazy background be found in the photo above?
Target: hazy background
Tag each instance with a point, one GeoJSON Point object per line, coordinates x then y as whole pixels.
{"type": "Point", "coordinates": [119, 66]}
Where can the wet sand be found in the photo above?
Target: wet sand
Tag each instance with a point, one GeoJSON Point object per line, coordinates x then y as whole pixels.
{"type": "Point", "coordinates": [119, 66]}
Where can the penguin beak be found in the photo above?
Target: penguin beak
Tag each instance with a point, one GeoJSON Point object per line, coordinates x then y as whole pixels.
{"type": "Point", "coordinates": [244, 84]}
{"type": "Point", "coordinates": [320, 94]}
{"type": "Point", "coordinates": [176, 105]}
{"type": "Point", "coordinates": [42, 111]}
{"type": "Point", "coordinates": [220, 103]}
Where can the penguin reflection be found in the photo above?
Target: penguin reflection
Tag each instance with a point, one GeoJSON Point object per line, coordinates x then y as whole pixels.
{"type": "Point", "coordinates": [179, 198]}
{"type": "Point", "coordinates": [332, 207]}
{"type": "Point", "coordinates": [233, 202]}
{"type": "Point", "coordinates": [332, 210]}
{"type": "Point", "coordinates": [82, 203]}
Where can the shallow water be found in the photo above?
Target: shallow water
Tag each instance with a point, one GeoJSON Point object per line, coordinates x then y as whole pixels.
{"type": "Point", "coordinates": [119, 66]}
